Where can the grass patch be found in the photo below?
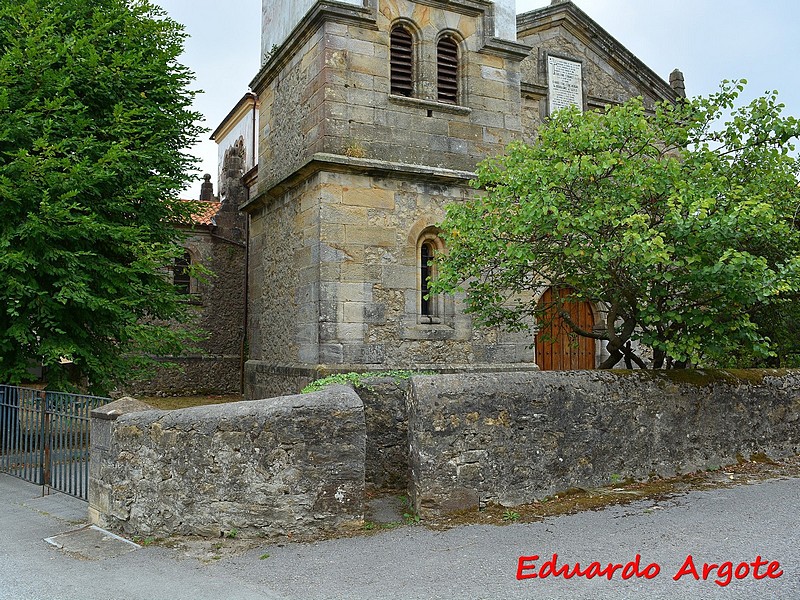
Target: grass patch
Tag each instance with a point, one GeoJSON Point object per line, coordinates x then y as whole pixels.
{"type": "Point", "coordinates": [178, 402]}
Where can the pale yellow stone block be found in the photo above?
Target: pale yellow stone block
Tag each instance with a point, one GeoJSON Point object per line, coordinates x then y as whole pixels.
{"type": "Point", "coordinates": [422, 15]}
{"type": "Point", "coordinates": [256, 227]}
{"type": "Point", "coordinates": [369, 197]}
{"type": "Point", "coordinates": [306, 219]}
{"type": "Point", "coordinates": [352, 332]}
{"type": "Point", "coordinates": [329, 193]}
{"type": "Point", "coordinates": [352, 271]}
{"type": "Point", "coordinates": [374, 37]}
{"type": "Point", "coordinates": [466, 131]}
{"type": "Point", "coordinates": [370, 236]}
{"type": "Point", "coordinates": [331, 232]}
{"type": "Point", "coordinates": [492, 61]}
{"type": "Point", "coordinates": [345, 215]}
{"type": "Point", "coordinates": [308, 202]}
{"type": "Point", "coordinates": [353, 292]}
{"type": "Point", "coordinates": [468, 26]}
{"type": "Point", "coordinates": [360, 63]}
{"type": "Point", "coordinates": [330, 272]}
{"type": "Point", "coordinates": [95, 518]}
{"type": "Point", "coordinates": [353, 312]}
{"type": "Point", "coordinates": [493, 89]}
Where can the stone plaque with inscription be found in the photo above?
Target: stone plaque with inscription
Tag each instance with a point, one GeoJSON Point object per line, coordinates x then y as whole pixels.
{"type": "Point", "coordinates": [565, 83]}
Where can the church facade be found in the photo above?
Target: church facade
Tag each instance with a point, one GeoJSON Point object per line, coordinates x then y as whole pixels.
{"type": "Point", "coordinates": [372, 115]}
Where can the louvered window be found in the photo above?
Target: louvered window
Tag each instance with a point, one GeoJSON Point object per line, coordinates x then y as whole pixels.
{"type": "Point", "coordinates": [447, 73]}
{"type": "Point", "coordinates": [402, 62]}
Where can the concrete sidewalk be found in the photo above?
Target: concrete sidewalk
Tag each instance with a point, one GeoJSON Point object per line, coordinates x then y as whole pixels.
{"type": "Point", "coordinates": [476, 562]}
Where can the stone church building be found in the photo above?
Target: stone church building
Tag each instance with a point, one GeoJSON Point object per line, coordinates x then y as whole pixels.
{"type": "Point", "coordinates": [365, 121]}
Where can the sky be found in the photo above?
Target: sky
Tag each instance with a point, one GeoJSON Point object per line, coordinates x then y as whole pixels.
{"type": "Point", "coordinates": [709, 40]}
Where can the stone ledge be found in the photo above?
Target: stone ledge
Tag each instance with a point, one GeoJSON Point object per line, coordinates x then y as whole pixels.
{"type": "Point", "coordinates": [455, 109]}
{"type": "Point", "coordinates": [339, 163]}
{"type": "Point", "coordinates": [506, 49]}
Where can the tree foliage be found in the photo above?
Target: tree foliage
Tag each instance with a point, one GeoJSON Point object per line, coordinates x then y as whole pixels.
{"type": "Point", "coordinates": [680, 222]}
{"type": "Point", "coordinates": [94, 123]}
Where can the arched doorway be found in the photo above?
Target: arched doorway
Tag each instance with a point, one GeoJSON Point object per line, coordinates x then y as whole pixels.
{"type": "Point", "coordinates": [557, 347]}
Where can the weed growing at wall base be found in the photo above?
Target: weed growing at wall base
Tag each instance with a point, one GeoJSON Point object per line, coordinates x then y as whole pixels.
{"type": "Point", "coordinates": [510, 515]}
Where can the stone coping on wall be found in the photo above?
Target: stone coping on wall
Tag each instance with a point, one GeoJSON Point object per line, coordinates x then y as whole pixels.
{"type": "Point", "coordinates": [114, 410]}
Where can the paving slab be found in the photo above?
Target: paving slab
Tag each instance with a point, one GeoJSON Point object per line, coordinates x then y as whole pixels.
{"type": "Point", "coordinates": [90, 542]}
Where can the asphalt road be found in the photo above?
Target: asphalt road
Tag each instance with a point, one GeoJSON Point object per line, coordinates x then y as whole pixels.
{"type": "Point", "coordinates": [736, 525]}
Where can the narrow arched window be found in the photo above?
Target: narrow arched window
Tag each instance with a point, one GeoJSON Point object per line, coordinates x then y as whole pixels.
{"type": "Point", "coordinates": [447, 70]}
{"type": "Point", "coordinates": [181, 278]}
{"type": "Point", "coordinates": [427, 253]}
{"type": "Point", "coordinates": [402, 62]}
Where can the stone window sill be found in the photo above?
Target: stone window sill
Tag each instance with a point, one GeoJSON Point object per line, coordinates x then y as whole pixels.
{"type": "Point", "coordinates": [429, 320]}
{"type": "Point", "coordinates": [453, 109]}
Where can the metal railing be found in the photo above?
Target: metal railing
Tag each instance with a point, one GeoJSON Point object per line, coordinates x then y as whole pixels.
{"type": "Point", "coordinates": [44, 437]}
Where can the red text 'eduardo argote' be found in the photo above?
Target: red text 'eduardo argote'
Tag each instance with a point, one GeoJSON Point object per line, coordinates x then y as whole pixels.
{"type": "Point", "coordinates": [722, 574]}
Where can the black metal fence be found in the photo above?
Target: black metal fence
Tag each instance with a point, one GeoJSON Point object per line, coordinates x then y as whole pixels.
{"type": "Point", "coordinates": [44, 437]}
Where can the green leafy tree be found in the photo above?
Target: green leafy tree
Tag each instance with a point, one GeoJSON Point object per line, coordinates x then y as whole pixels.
{"type": "Point", "coordinates": [680, 222]}
{"type": "Point", "coordinates": [94, 120]}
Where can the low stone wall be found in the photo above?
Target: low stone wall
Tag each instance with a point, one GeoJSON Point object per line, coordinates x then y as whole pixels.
{"type": "Point", "coordinates": [514, 438]}
{"type": "Point", "coordinates": [291, 465]}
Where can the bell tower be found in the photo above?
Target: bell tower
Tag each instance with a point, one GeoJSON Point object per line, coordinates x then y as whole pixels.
{"type": "Point", "coordinates": [280, 17]}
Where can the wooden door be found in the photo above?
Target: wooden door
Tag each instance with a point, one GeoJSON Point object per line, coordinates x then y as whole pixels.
{"type": "Point", "coordinates": [557, 348]}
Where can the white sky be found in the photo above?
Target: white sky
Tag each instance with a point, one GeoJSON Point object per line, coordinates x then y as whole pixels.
{"type": "Point", "coordinates": [709, 40]}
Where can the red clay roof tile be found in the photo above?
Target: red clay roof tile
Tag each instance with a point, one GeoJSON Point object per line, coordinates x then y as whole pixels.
{"type": "Point", "coordinates": [206, 213]}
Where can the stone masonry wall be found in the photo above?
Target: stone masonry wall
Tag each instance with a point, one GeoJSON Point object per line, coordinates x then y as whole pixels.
{"type": "Point", "coordinates": [369, 310]}
{"type": "Point", "coordinates": [610, 73]}
{"type": "Point", "coordinates": [291, 113]}
{"type": "Point", "coordinates": [384, 399]}
{"type": "Point", "coordinates": [335, 286]}
{"type": "Point", "coordinates": [291, 465]}
{"type": "Point", "coordinates": [361, 113]}
{"type": "Point", "coordinates": [513, 438]}
{"type": "Point", "coordinates": [215, 364]}
{"type": "Point", "coordinates": [207, 374]}
{"type": "Point", "coordinates": [284, 274]}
